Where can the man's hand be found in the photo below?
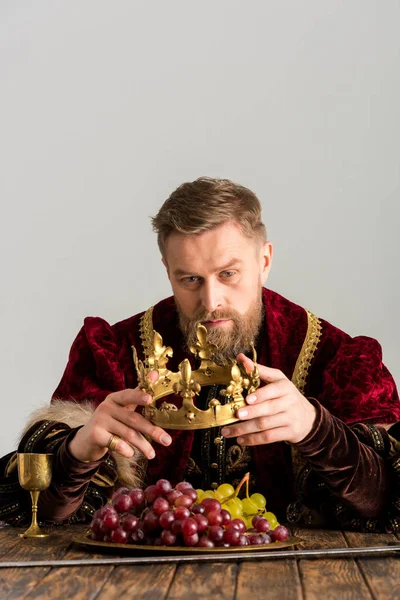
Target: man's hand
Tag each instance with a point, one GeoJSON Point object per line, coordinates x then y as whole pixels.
{"type": "Point", "coordinates": [276, 412]}
{"type": "Point", "coordinates": [116, 415]}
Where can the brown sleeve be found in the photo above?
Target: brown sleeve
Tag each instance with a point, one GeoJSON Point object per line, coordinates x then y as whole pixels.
{"type": "Point", "coordinates": [69, 484]}
{"type": "Point", "coordinates": [351, 470]}
{"type": "Point", "coordinates": [77, 489]}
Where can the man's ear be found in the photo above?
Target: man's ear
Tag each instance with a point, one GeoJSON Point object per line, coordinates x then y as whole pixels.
{"type": "Point", "coordinates": [266, 260]}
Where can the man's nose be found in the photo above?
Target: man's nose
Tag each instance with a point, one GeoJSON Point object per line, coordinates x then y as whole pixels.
{"type": "Point", "coordinates": [211, 296]}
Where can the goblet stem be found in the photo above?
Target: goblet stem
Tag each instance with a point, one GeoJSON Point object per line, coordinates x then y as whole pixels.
{"type": "Point", "coordinates": [34, 530]}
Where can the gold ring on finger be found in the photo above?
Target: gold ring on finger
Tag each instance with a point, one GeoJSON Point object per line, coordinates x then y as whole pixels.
{"type": "Point", "coordinates": [113, 443]}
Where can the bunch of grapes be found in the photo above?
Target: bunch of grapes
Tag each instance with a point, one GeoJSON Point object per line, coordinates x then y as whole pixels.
{"type": "Point", "coordinates": [246, 509]}
{"type": "Point", "coordinates": [161, 515]}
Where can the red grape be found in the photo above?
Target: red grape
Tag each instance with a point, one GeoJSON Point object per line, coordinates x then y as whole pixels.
{"type": "Point", "coordinates": [189, 527]}
{"type": "Point", "coordinates": [231, 535]}
{"type": "Point", "coordinates": [205, 542]}
{"type": "Point", "coordinates": [150, 521]}
{"type": "Point", "coordinates": [121, 490]}
{"type": "Point", "coordinates": [200, 509]}
{"type": "Point", "coordinates": [184, 501]}
{"type": "Point", "coordinates": [163, 486]}
{"type": "Point", "coordinates": [182, 512]}
{"type": "Point", "coordinates": [166, 519]}
{"type": "Point", "coordinates": [119, 536]}
{"type": "Point", "coordinates": [212, 505]}
{"type": "Point", "coordinates": [192, 494]}
{"type": "Point", "coordinates": [255, 520]}
{"type": "Point", "coordinates": [183, 485]}
{"type": "Point", "coordinates": [206, 501]}
{"type": "Point", "coordinates": [123, 503]}
{"type": "Point", "coordinates": [262, 525]}
{"type": "Point", "coordinates": [110, 520]}
{"type": "Point", "coordinates": [266, 538]}
{"type": "Point", "coordinates": [160, 505]}
{"type": "Point", "coordinates": [239, 524]}
{"type": "Point", "coordinates": [255, 539]}
{"type": "Point", "coordinates": [214, 517]}
{"type": "Point", "coordinates": [130, 523]}
{"type": "Point", "coordinates": [151, 493]}
{"type": "Point", "coordinates": [243, 540]}
{"type": "Point", "coordinates": [226, 516]}
{"type": "Point", "coordinates": [173, 495]}
{"type": "Point", "coordinates": [176, 527]}
{"type": "Point", "coordinates": [137, 497]}
{"type": "Point", "coordinates": [168, 538]}
{"type": "Point", "coordinates": [105, 509]}
{"type": "Point", "coordinates": [96, 525]}
{"type": "Point", "coordinates": [191, 540]}
{"type": "Point", "coordinates": [202, 522]}
{"type": "Point", "coordinates": [216, 533]}
{"type": "Point", "coordinates": [280, 534]}
{"type": "Point", "coordinates": [137, 536]}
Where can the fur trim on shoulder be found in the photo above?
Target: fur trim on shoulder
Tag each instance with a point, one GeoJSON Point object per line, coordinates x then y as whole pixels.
{"type": "Point", "coordinates": [73, 414]}
{"type": "Point", "coordinates": [130, 471]}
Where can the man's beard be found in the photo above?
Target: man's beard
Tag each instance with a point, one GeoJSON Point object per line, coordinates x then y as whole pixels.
{"type": "Point", "coordinates": [230, 342]}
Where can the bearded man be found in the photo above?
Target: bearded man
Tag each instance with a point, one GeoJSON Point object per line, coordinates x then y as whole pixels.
{"type": "Point", "coordinates": [315, 434]}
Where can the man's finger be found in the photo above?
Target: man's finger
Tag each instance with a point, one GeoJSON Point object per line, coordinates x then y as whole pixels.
{"type": "Point", "coordinates": [279, 434]}
{"type": "Point", "coordinates": [129, 437]}
{"type": "Point", "coordinates": [268, 392]}
{"type": "Point", "coordinates": [130, 396]}
{"type": "Point", "coordinates": [255, 425]}
{"type": "Point", "coordinates": [267, 374]}
{"type": "Point", "coordinates": [246, 361]}
{"type": "Point", "coordinates": [136, 422]}
{"type": "Point", "coordinates": [152, 376]}
{"type": "Point", "coordinates": [272, 407]}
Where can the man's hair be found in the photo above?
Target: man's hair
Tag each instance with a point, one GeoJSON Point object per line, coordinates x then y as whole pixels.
{"type": "Point", "coordinates": [206, 203]}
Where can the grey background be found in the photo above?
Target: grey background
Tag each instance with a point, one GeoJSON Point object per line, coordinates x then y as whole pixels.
{"type": "Point", "coordinates": [105, 107]}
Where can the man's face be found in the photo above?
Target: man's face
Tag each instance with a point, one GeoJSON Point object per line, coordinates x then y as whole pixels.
{"type": "Point", "coordinates": [216, 279]}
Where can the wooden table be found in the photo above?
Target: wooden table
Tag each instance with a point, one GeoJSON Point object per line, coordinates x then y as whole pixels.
{"type": "Point", "coordinates": [286, 578]}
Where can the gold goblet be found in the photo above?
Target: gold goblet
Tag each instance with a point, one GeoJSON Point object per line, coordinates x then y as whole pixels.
{"type": "Point", "coordinates": [34, 474]}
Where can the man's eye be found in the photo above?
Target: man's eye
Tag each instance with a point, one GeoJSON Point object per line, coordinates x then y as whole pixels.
{"type": "Point", "coordinates": [191, 279]}
{"type": "Point", "coordinates": [228, 274]}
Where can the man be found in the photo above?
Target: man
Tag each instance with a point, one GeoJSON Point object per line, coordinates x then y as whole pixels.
{"type": "Point", "coordinates": [294, 435]}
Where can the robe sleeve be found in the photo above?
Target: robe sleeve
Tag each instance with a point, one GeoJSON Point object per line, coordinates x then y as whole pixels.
{"type": "Point", "coordinates": [346, 468]}
{"type": "Point", "coordinates": [369, 493]}
{"type": "Point", "coordinates": [94, 367]}
{"type": "Point", "coordinates": [77, 489]}
{"type": "Point", "coordinates": [350, 469]}
{"type": "Point", "coordinates": [349, 378]}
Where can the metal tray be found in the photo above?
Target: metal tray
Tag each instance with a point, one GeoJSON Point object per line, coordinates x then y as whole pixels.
{"type": "Point", "coordinates": [84, 540]}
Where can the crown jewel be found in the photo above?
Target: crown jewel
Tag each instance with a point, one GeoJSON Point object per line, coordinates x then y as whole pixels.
{"type": "Point", "coordinates": [188, 383]}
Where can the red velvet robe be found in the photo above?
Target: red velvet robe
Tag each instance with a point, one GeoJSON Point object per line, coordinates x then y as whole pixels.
{"type": "Point", "coordinates": [346, 376]}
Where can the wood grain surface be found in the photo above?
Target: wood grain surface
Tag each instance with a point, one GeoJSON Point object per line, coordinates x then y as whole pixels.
{"type": "Point", "coordinates": [284, 579]}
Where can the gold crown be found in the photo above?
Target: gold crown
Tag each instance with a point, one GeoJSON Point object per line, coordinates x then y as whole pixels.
{"type": "Point", "coordinates": [188, 383]}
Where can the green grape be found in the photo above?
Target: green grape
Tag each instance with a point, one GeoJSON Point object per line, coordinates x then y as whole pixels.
{"type": "Point", "coordinates": [249, 507]}
{"type": "Point", "coordinates": [234, 507]}
{"type": "Point", "coordinates": [224, 491]}
{"type": "Point", "coordinates": [259, 500]}
{"type": "Point", "coordinates": [208, 494]}
{"type": "Point", "coordinates": [236, 502]}
{"type": "Point", "coordinates": [273, 521]}
{"type": "Point", "coordinates": [248, 522]}
{"type": "Point", "coordinates": [200, 495]}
